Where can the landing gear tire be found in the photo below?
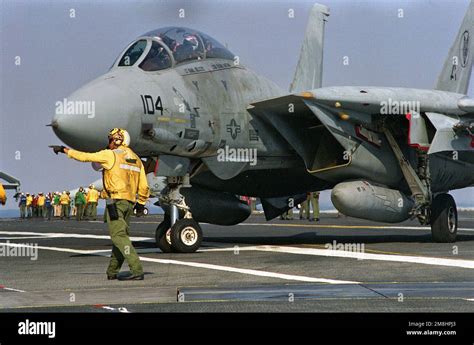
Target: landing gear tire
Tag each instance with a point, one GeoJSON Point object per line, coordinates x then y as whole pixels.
{"type": "Point", "coordinates": [186, 236]}
{"type": "Point", "coordinates": [444, 219]}
{"type": "Point", "coordinates": [145, 212]}
{"type": "Point", "coordinates": [163, 236]}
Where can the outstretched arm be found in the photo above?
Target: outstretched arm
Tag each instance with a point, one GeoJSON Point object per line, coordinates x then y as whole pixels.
{"type": "Point", "coordinates": [105, 157]}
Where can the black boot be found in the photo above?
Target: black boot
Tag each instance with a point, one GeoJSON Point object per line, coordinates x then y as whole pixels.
{"type": "Point", "coordinates": [132, 277]}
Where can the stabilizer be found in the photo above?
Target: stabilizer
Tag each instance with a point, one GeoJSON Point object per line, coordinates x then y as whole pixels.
{"type": "Point", "coordinates": [457, 68]}
{"type": "Point", "coordinates": [309, 71]}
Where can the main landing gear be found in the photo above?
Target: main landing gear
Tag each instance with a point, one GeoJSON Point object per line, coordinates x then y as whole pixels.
{"type": "Point", "coordinates": [444, 219]}
{"type": "Point", "coordinates": [440, 210]}
{"type": "Point", "coordinates": [178, 232]}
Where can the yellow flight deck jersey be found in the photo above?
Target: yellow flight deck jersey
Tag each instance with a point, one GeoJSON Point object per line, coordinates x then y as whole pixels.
{"type": "Point", "coordinates": [41, 200]}
{"type": "Point", "coordinates": [3, 195]}
{"type": "Point", "coordinates": [124, 175]}
{"type": "Point", "coordinates": [64, 199]}
{"type": "Point", "coordinates": [29, 200]}
{"type": "Point", "coordinates": [92, 195]}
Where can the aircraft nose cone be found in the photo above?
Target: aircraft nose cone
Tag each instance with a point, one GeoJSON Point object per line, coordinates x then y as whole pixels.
{"type": "Point", "coordinates": [83, 119]}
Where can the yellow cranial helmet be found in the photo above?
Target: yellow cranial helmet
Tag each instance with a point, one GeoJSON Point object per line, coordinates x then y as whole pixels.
{"type": "Point", "coordinates": [119, 136]}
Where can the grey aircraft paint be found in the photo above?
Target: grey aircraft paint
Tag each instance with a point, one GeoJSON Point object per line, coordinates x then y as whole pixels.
{"type": "Point", "coordinates": [311, 140]}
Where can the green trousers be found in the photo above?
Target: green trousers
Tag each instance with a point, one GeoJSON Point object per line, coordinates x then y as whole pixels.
{"type": "Point", "coordinates": [79, 212]}
{"type": "Point", "coordinates": [122, 246]}
{"type": "Point", "coordinates": [313, 200]}
{"type": "Point", "coordinates": [303, 209]}
{"type": "Point", "coordinates": [65, 211]}
{"type": "Point", "coordinates": [23, 211]}
{"type": "Point", "coordinates": [92, 210]}
{"type": "Point", "coordinates": [288, 215]}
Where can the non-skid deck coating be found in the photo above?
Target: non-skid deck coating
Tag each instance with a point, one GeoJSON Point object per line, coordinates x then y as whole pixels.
{"type": "Point", "coordinates": [338, 264]}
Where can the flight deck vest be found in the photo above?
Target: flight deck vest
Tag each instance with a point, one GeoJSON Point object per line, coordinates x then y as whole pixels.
{"type": "Point", "coordinates": [121, 181]}
{"type": "Point", "coordinates": [93, 195]}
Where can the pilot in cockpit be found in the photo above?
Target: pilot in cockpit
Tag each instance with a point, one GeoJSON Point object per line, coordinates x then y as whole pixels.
{"type": "Point", "coordinates": [157, 59]}
{"type": "Point", "coordinates": [188, 49]}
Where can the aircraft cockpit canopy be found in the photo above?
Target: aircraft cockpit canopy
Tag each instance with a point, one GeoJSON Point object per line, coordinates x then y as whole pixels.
{"type": "Point", "coordinates": [163, 48]}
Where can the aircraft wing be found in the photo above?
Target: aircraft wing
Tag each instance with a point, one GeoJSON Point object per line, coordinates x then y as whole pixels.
{"type": "Point", "coordinates": [305, 121]}
{"type": "Point", "coordinates": [12, 182]}
{"type": "Point", "coordinates": [295, 121]}
{"type": "Point", "coordinates": [345, 118]}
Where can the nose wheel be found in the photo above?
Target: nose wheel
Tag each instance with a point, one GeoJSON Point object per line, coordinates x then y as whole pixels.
{"type": "Point", "coordinates": [145, 211]}
{"type": "Point", "coordinates": [185, 236]}
{"type": "Point", "coordinates": [178, 232]}
{"type": "Point", "coordinates": [163, 236]}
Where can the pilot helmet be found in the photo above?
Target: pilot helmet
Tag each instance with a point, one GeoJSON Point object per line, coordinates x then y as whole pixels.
{"type": "Point", "coordinates": [119, 136]}
{"type": "Point", "coordinates": [191, 39]}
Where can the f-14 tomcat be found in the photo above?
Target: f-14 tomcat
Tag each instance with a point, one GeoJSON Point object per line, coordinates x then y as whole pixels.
{"type": "Point", "coordinates": [388, 154]}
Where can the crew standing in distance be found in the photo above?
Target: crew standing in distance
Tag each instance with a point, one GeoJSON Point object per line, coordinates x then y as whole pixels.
{"type": "Point", "coordinates": [79, 201]}
{"type": "Point", "coordinates": [124, 177]}
{"type": "Point", "coordinates": [57, 205]}
{"type": "Point", "coordinates": [92, 200]}
{"type": "Point", "coordinates": [65, 202]}
{"type": "Point", "coordinates": [22, 205]}
{"type": "Point", "coordinates": [40, 205]}
{"type": "Point", "coordinates": [34, 204]}
{"type": "Point", "coordinates": [303, 208]}
{"type": "Point", "coordinates": [49, 206]}
{"type": "Point", "coordinates": [313, 201]}
{"type": "Point", "coordinates": [29, 201]}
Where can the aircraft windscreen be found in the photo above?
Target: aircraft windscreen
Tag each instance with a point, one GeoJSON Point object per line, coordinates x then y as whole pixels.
{"type": "Point", "coordinates": [133, 53]}
{"type": "Point", "coordinates": [187, 44]}
{"type": "Point", "coordinates": [184, 44]}
{"type": "Point", "coordinates": [214, 49]}
{"type": "Point", "coordinates": [156, 59]}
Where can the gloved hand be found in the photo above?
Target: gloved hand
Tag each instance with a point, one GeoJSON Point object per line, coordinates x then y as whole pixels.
{"type": "Point", "coordinates": [139, 209]}
{"type": "Point", "coordinates": [58, 148]}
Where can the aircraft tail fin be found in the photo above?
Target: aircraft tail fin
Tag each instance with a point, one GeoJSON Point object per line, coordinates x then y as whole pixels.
{"type": "Point", "coordinates": [309, 71]}
{"type": "Point", "coordinates": [457, 68]}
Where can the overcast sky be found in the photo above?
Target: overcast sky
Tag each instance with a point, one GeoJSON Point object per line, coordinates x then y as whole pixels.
{"type": "Point", "coordinates": [59, 54]}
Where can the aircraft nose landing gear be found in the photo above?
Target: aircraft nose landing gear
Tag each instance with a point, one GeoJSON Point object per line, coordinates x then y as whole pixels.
{"type": "Point", "coordinates": [163, 236]}
{"type": "Point", "coordinates": [178, 232]}
{"type": "Point", "coordinates": [186, 236]}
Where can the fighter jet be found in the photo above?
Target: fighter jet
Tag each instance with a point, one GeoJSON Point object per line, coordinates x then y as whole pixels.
{"type": "Point", "coordinates": [216, 130]}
